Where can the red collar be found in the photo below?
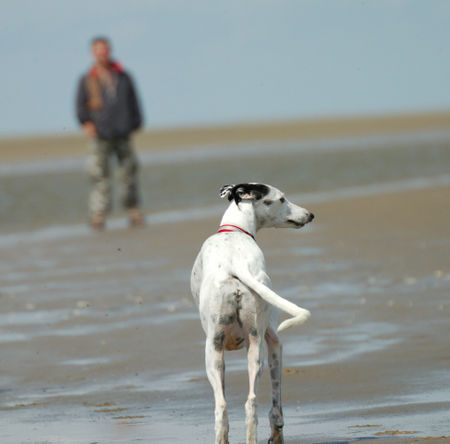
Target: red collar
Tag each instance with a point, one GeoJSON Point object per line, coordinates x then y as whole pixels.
{"type": "Point", "coordinates": [115, 66]}
{"type": "Point", "coordinates": [226, 230]}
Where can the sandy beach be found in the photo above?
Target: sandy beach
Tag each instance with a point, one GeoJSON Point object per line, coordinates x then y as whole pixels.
{"type": "Point", "coordinates": [17, 149]}
{"type": "Point", "coordinates": [101, 341]}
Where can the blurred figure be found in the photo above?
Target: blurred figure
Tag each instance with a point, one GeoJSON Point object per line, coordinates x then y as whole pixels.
{"type": "Point", "coordinates": [108, 110]}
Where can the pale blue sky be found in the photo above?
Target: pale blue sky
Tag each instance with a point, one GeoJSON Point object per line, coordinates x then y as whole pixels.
{"type": "Point", "coordinates": [201, 62]}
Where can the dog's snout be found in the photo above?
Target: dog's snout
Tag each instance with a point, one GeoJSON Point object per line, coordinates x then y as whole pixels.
{"type": "Point", "coordinates": [311, 216]}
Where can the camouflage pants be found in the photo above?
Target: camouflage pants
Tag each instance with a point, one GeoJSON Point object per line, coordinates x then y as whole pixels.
{"type": "Point", "coordinates": [101, 152]}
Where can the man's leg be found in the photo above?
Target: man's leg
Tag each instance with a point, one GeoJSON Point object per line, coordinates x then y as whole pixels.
{"type": "Point", "coordinates": [99, 172]}
{"type": "Point", "coordinates": [128, 166]}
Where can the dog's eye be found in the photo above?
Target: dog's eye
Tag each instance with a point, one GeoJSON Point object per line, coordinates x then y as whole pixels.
{"type": "Point", "coordinates": [267, 202]}
{"type": "Point", "coordinates": [282, 200]}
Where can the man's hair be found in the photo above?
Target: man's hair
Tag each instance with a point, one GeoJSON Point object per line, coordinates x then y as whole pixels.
{"type": "Point", "coordinates": [100, 39]}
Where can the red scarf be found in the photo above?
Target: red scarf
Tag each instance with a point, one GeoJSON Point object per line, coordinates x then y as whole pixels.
{"type": "Point", "coordinates": [115, 66]}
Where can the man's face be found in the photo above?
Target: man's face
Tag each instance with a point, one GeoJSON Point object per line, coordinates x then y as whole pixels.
{"type": "Point", "coordinates": [101, 52]}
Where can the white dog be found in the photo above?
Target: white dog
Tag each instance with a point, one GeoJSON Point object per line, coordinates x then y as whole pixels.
{"type": "Point", "coordinates": [230, 285]}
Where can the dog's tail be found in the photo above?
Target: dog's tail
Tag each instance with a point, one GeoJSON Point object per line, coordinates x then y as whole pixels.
{"type": "Point", "coordinates": [299, 315]}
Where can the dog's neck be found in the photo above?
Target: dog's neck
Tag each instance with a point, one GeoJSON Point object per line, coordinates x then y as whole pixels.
{"type": "Point", "coordinates": [242, 216]}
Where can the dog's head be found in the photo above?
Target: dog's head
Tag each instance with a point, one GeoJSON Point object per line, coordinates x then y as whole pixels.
{"type": "Point", "coordinates": [271, 207]}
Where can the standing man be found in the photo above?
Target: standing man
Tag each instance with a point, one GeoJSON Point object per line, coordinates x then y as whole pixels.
{"type": "Point", "coordinates": [108, 110]}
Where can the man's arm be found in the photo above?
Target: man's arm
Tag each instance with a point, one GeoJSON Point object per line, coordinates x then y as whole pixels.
{"type": "Point", "coordinates": [135, 109]}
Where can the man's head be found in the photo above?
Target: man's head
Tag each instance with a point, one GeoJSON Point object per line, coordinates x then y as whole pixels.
{"type": "Point", "coordinates": [101, 50]}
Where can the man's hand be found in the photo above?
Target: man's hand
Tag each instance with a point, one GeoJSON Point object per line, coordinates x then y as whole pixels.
{"type": "Point", "coordinates": [89, 129]}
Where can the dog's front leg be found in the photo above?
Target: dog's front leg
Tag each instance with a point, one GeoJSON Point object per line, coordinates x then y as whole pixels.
{"type": "Point", "coordinates": [274, 349]}
{"type": "Point", "coordinates": [255, 368]}
{"type": "Point", "coordinates": [215, 369]}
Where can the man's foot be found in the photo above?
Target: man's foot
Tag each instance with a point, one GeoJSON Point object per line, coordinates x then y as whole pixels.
{"type": "Point", "coordinates": [97, 221]}
{"type": "Point", "coordinates": [136, 218]}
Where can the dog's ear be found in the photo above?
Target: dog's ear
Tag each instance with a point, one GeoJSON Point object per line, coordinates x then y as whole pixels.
{"type": "Point", "coordinates": [225, 191]}
{"type": "Point", "coordinates": [248, 191]}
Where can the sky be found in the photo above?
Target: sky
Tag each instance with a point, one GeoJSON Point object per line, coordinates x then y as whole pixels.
{"type": "Point", "coordinates": [214, 62]}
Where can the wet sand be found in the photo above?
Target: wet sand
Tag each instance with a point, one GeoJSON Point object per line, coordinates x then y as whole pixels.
{"type": "Point", "coordinates": [19, 149]}
{"type": "Point", "coordinates": [101, 349]}
{"type": "Point", "coordinates": [101, 341]}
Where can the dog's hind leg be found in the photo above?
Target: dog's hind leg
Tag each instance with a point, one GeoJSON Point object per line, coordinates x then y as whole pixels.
{"type": "Point", "coordinates": [274, 349]}
{"type": "Point", "coordinates": [255, 368]}
{"type": "Point", "coordinates": [215, 369]}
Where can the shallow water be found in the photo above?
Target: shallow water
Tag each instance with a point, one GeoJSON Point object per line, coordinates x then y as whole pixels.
{"type": "Point", "coordinates": [101, 341]}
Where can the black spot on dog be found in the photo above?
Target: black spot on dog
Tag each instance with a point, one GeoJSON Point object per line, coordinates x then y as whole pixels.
{"type": "Point", "coordinates": [252, 331]}
{"type": "Point", "coordinates": [218, 341]}
{"type": "Point", "coordinates": [220, 365]}
{"type": "Point", "coordinates": [227, 319]}
{"type": "Point", "coordinates": [273, 373]}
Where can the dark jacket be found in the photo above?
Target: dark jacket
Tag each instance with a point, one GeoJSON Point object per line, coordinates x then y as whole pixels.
{"type": "Point", "coordinates": [114, 115]}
